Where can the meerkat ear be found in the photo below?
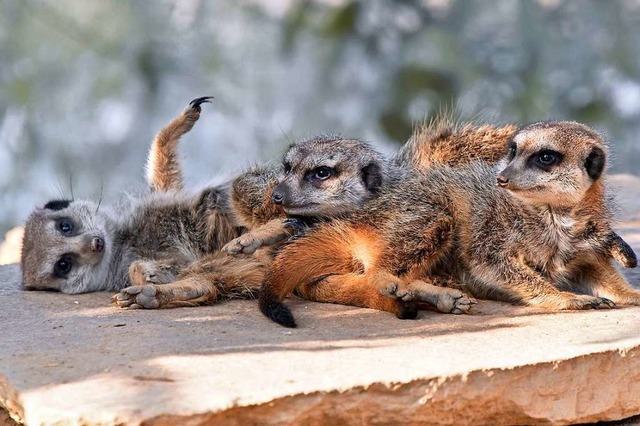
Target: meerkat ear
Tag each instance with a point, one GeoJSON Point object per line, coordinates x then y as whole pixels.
{"type": "Point", "coordinates": [595, 163]}
{"type": "Point", "coordinates": [372, 176]}
{"type": "Point", "coordinates": [57, 204]}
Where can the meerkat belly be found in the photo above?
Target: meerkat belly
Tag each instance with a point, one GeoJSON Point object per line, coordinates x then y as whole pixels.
{"type": "Point", "coordinates": [167, 231]}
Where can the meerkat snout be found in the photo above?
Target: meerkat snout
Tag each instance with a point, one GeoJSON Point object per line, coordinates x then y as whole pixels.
{"type": "Point", "coordinates": [97, 245]}
{"type": "Point", "coordinates": [502, 181]}
{"type": "Point", "coordinates": [277, 196]}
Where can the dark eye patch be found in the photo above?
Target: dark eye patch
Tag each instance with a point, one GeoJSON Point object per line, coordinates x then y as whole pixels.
{"type": "Point", "coordinates": [321, 173]}
{"type": "Point", "coordinates": [545, 159]}
{"type": "Point", "coordinates": [57, 204]}
{"type": "Point", "coordinates": [513, 148]}
{"type": "Point", "coordinates": [286, 167]}
{"type": "Point", "coordinates": [64, 265]}
{"type": "Point", "coordinates": [65, 226]}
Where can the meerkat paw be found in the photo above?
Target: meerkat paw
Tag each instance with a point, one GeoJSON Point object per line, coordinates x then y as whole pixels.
{"type": "Point", "coordinates": [445, 300]}
{"type": "Point", "coordinates": [396, 290]}
{"type": "Point", "coordinates": [187, 292]}
{"type": "Point", "coordinates": [574, 302]}
{"type": "Point", "coordinates": [246, 244]}
{"type": "Point", "coordinates": [406, 307]}
{"type": "Point", "coordinates": [144, 272]}
{"type": "Point", "coordinates": [593, 302]}
{"type": "Point", "coordinates": [137, 297]}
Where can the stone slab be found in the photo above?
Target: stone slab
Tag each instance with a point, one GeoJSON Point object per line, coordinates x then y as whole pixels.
{"type": "Point", "coordinates": [74, 359]}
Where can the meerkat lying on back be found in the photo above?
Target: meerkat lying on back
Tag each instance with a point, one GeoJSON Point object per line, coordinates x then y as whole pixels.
{"type": "Point", "coordinates": [546, 237]}
{"type": "Point", "coordinates": [78, 246]}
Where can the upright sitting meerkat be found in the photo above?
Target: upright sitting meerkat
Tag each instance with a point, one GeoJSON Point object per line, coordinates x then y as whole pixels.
{"type": "Point", "coordinates": [78, 246]}
{"type": "Point", "coordinates": [539, 236]}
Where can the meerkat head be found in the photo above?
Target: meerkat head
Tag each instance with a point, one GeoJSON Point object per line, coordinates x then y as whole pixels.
{"type": "Point", "coordinates": [553, 163]}
{"type": "Point", "coordinates": [325, 176]}
{"type": "Point", "coordinates": [67, 247]}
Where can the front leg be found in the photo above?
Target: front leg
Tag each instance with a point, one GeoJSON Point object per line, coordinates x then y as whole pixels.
{"type": "Point", "coordinates": [515, 281]}
{"type": "Point", "coordinates": [444, 299]}
{"type": "Point", "coordinates": [607, 282]}
{"type": "Point", "coordinates": [271, 233]}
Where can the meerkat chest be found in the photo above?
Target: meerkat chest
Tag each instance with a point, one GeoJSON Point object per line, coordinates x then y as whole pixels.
{"type": "Point", "coordinates": [555, 245]}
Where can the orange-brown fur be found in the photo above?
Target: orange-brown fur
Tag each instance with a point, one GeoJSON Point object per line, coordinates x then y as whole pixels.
{"type": "Point", "coordinates": [442, 142]}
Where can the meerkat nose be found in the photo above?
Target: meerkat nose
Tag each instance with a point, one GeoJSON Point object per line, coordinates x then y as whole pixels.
{"type": "Point", "coordinates": [97, 244]}
{"type": "Point", "coordinates": [277, 198]}
{"type": "Point", "coordinates": [502, 181]}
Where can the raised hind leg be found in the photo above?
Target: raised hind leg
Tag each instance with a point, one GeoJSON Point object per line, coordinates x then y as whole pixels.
{"type": "Point", "coordinates": [163, 168]}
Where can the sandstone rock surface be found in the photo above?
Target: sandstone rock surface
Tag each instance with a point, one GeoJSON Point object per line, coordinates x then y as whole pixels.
{"type": "Point", "coordinates": [77, 360]}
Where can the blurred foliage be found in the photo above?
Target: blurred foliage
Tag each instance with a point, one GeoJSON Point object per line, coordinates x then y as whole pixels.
{"type": "Point", "coordinates": [85, 85]}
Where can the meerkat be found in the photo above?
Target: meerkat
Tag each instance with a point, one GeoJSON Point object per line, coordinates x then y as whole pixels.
{"type": "Point", "coordinates": [538, 238]}
{"type": "Point", "coordinates": [444, 142]}
{"type": "Point", "coordinates": [76, 246]}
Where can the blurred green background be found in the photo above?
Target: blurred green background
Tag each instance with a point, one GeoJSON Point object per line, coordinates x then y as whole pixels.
{"type": "Point", "coordinates": [85, 84]}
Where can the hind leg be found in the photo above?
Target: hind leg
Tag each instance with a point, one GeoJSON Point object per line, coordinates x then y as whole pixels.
{"type": "Point", "coordinates": [195, 290]}
{"type": "Point", "coordinates": [378, 290]}
{"type": "Point", "coordinates": [207, 280]}
{"type": "Point", "coordinates": [520, 283]}
{"type": "Point", "coordinates": [163, 167]}
{"type": "Point", "coordinates": [446, 300]}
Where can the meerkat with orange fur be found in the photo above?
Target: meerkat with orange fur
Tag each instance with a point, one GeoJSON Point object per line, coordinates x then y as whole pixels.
{"type": "Point", "coordinates": [544, 236]}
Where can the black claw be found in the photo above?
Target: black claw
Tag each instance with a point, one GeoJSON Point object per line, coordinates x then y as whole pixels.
{"type": "Point", "coordinates": [298, 225]}
{"type": "Point", "coordinates": [199, 101]}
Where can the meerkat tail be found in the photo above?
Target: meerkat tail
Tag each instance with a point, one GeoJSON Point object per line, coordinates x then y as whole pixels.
{"type": "Point", "coordinates": [163, 167]}
{"type": "Point", "coordinates": [273, 308]}
{"type": "Point", "coordinates": [310, 259]}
